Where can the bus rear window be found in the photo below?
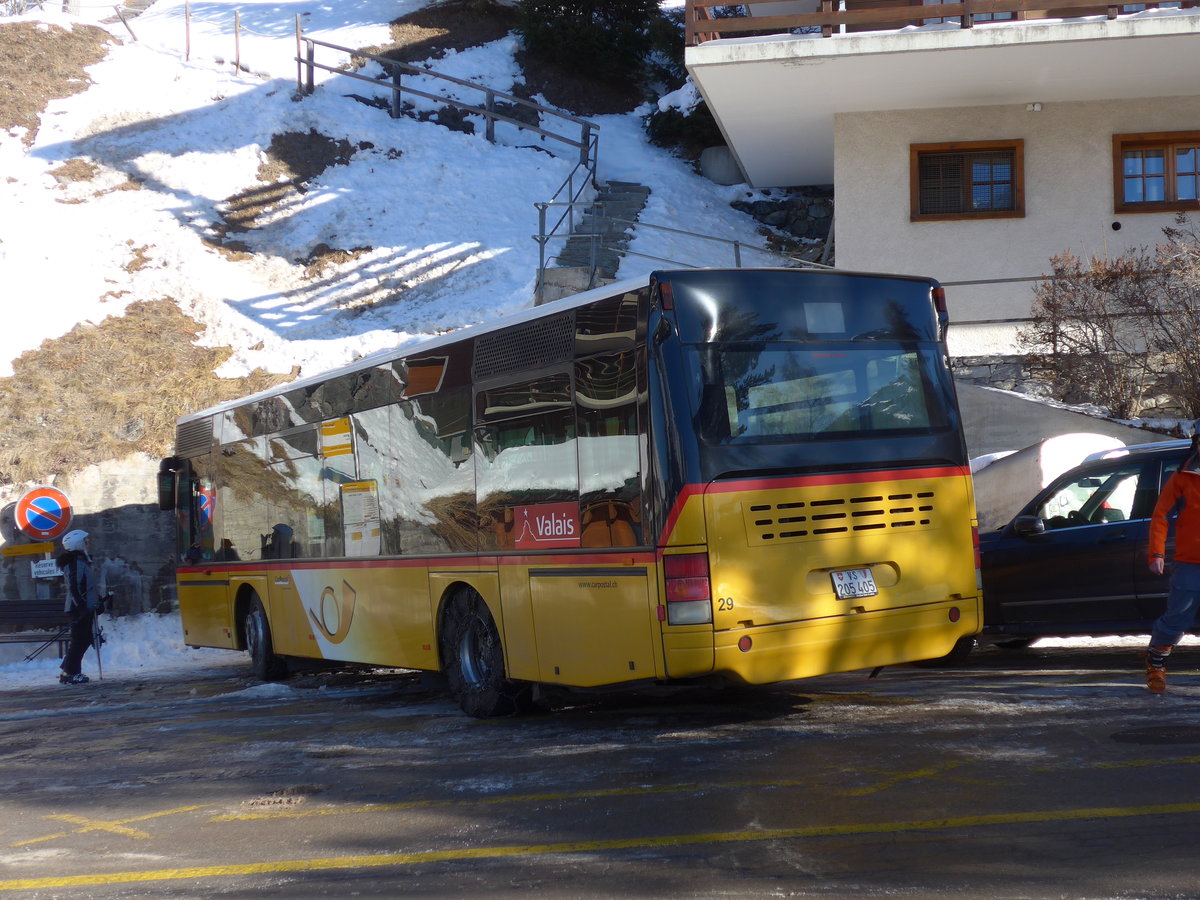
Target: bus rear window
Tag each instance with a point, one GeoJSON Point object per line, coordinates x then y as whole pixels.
{"type": "Point", "coordinates": [772, 394]}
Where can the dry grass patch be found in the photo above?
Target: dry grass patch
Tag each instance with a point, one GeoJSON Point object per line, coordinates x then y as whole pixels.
{"type": "Point", "coordinates": [104, 391]}
{"type": "Point", "coordinates": [40, 63]}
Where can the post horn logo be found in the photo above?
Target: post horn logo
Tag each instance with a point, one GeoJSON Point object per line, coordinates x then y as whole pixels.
{"type": "Point", "coordinates": [335, 616]}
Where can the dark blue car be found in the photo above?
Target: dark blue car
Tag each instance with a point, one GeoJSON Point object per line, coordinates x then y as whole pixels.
{"type": "Point", "coordinates": [1073, 561]}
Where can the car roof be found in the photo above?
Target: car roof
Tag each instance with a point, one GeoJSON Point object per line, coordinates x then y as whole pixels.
{"type": "Point", "coordinates": [1138, 450]}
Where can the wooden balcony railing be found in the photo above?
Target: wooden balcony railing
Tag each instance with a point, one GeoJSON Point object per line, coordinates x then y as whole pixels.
{"type": "Point", "coordinates": [882, 15]}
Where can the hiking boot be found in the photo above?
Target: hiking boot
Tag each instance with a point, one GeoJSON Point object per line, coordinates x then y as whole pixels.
{"type": "Point", "coordinates": [77, 678]}
{"type": "Point", "coordinates": [1156, 679]}
{"type": "Point", "coordinates": [1156, 672]}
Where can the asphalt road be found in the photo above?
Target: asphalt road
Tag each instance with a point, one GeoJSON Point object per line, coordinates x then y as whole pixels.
{"type": "Point", "coordinates": [1043, 773]}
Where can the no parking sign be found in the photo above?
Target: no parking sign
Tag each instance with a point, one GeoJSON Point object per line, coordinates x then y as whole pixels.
{"type": "Point", "coordinates": [44, 513]}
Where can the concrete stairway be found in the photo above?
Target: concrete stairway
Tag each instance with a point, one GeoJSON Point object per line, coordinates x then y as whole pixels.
{"type": "Point", "coordinates": [592, 254]}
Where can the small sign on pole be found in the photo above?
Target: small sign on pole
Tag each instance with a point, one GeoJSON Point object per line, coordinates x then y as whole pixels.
{"type": "Point", "coordinates": [46, 568]}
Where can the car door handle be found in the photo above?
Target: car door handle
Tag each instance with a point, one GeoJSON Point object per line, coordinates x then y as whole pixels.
{"type": "Point", "coordinates": [1114, 538]}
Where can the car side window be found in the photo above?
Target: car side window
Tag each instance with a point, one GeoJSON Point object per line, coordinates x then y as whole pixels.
{"type": "Point", "coordinates": [1100, 496]}
{"type": "Point", "coordinates": [1153, 484]}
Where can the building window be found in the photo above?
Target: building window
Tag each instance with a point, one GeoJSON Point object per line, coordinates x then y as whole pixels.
{"type": "Point", "coordinates": [1156, 172]}
{"type": "Point", "coordinates": [973, 180]}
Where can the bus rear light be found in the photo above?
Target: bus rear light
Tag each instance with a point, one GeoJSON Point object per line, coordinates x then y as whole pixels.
{"type": "Point", "coordinates": [687, 589]}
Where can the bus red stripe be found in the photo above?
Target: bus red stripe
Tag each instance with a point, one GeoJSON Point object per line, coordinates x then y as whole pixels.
{"type": "Point", "coordinates": [761, 484]}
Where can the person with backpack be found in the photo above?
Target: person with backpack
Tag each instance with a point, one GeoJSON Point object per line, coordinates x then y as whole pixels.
{"type": "Point", "coordinates": [84, 602]}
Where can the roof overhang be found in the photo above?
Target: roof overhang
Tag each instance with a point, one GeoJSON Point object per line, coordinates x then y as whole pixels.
{"type": "Point", "coordinates": [775, 98]}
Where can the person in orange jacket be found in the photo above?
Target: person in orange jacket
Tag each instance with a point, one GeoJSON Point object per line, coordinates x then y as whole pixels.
{"type": "Point", "coordinates": [1180, 501]}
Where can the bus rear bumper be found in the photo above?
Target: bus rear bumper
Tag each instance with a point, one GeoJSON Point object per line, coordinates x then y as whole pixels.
{"type": "Point", "coordinates": [840, 644]}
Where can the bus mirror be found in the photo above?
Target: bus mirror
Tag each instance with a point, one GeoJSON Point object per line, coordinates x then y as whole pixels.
{"type": "Point", "coordinates": [662, 332]}
{"type": "Point", "coordinates": [166, 484]}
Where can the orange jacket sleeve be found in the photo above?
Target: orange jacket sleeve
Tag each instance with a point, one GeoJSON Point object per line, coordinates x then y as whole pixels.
{"type": "Point", "coordinates": [1158, 520]}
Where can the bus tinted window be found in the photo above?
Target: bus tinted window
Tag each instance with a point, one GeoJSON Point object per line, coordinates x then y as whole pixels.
{"type": "Point", "coordinates": [789, 393]}
{"type": "Point", "coordinates": [790, 305]}
{"type": "Point", "coordinates": [609, 452]}
{"type": "Point", "coordinates": [525, 459]}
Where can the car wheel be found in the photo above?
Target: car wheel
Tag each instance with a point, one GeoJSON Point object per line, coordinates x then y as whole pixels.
{"type": "Point", "coordinates": [473, 660]}
{"type": "Point", "coordinates": [263, 661]}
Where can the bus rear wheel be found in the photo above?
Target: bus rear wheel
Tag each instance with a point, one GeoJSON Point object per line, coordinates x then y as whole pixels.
{"type": "Point", "coordinates": [473, 660]}
{"type": "Point", "coordinates": [263, 661]}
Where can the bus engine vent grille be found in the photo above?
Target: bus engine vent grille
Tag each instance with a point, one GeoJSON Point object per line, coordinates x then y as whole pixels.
{"type": "Point", "coordinates": [817, 517]}
{"type": "Point", "coordinates": [534, 345]}
{"type": "Point", "coordinates": [194, 438]}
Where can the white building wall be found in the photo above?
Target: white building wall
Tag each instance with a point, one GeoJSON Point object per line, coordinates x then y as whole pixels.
{"type": "Point", "coordinates": [1068, 201]}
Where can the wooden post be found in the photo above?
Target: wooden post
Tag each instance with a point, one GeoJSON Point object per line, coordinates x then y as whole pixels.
{"type": "Point", "coordinates": [827, 29]}
{"type": "Point", "coordinates": [299, 62]}
{"type": "Point", "coordinates": [394, 109]}
{"type": "Point", "coordinates": [489, 127]}
{"type": "Point", "coordinates": [237, 41]}
{"type": "Point", "coordinates": [187, 28]}
{"type": "Point", "coordinates": [125, 22]}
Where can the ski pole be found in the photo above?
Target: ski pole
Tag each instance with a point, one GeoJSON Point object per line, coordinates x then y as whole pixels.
{"type": "Point", "coordinates": [97, 640]}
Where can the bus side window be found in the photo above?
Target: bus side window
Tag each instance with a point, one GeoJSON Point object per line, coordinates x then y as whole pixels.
{"type": "Point", "coordinates": [525, 461]}
{"type": "Point", "coordinates": [244, 482]}
{"type": "Point", "coordinates": [609, 461]}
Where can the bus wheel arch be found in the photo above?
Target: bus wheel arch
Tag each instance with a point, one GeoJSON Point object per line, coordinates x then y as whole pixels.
{"type": "Point", "coordinates": [472, 657]}
{"type": "Point", "coordinates": [254, 630]}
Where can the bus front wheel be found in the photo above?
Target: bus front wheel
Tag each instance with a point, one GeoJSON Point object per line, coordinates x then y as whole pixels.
{"type": "Point", "coordinates": [473, 659]}
{"type": "Point", "coordinates": [263, 661]}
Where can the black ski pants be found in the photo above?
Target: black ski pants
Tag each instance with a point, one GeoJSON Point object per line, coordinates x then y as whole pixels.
{"type": "Point", "coordinates": [81, 639]}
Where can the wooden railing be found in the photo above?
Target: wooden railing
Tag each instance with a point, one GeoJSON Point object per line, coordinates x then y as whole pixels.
{"type": "Point", "coordinates": [863, 15]}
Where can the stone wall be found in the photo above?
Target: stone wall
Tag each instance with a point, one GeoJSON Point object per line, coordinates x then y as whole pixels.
{"type": "Point", "coordinates": [803, 213]}
{"type": "Point", "coordinates": [1006, 373]}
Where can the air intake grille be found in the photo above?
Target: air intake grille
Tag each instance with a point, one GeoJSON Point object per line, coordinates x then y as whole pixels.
{"type": "Point", "coordinates": [534, 345]}
{"type": "Point", "coordinates": [194, 438]}
{"type": "Point", "coordinates": [817, 517]}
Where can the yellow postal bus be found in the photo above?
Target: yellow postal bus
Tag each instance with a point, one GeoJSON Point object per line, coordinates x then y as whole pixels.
{"type": "Point", "coordinates": [755, 475]}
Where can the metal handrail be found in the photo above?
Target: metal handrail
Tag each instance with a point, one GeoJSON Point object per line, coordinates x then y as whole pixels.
{"type": "Point", "coordinates": [585, 184]}
{"type": "Point", "coordinates": [738, 246]}
{"type": "Point", "coordinates": [306, 66]}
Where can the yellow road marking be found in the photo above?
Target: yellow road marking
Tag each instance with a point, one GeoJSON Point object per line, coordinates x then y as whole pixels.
{"type": "Point", "coordinates": [116, 826]}
{"type": "Point", "coordinates": [898, 777]}
{"type": "Point", "coordinates": [380, 860]}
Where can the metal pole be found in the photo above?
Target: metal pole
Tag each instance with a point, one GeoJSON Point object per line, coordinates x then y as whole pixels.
{"type": "Point", "coordinates": [585, 143]}
{"type": "Point", "coordinates": [395, 109]}
{"type": "Point", "coordinates": [737, 255]}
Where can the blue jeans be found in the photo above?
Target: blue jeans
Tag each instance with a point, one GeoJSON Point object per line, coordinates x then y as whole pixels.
{"type": "Point", "coordinates": [1183, 600]}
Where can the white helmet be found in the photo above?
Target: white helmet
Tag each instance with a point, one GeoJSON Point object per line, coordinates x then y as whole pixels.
{"type": "Point", "coordinates": [73, 540]}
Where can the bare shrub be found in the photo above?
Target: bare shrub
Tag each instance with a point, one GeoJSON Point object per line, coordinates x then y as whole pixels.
{"type": "Point", "coordinates": [1119, 331]}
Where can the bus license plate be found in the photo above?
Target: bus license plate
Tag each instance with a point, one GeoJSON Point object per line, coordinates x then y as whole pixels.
{"type": "Point", "coordinates": [851, 583]}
